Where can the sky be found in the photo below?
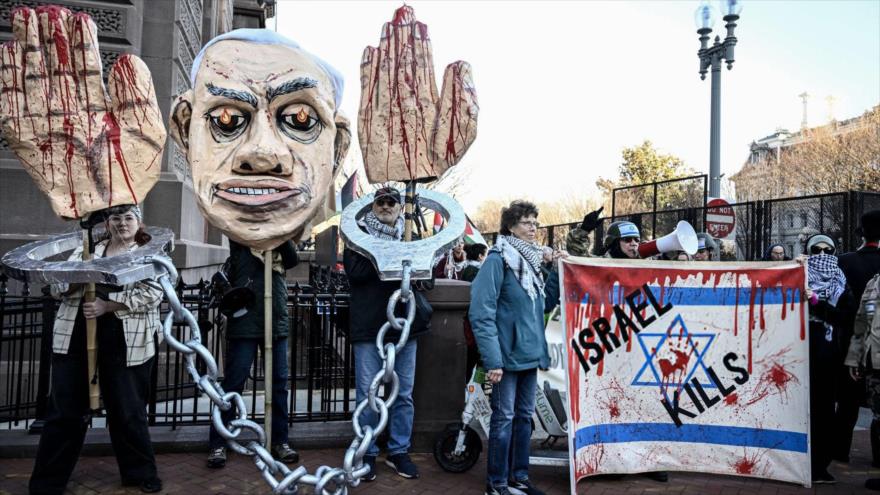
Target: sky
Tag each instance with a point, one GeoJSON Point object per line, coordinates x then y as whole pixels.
{"type": "Point", "coordinates": [564, 86]}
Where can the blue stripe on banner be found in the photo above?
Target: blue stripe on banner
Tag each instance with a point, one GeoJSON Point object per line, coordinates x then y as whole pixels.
{"type": "Point", "coordinates": [708, 296]}
{"type": "Point", "coordinates": [711, 434]}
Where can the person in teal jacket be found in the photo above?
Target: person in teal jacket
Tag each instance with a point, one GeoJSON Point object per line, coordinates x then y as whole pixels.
{"type": "Point", "coordinates": [507, 316]}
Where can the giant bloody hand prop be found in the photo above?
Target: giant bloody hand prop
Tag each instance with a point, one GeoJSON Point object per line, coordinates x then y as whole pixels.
{"type": "Point", "coordinates": [406, 131]}
{"type": "Point", "coordinates": [85, 149]}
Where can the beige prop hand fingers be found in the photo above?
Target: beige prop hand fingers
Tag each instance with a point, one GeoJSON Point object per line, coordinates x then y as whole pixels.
{"type": "Point", "coordinates": [414, 104]}
{"type": "Point", "coordinates": [87, 65]}
{"type": "Point", "coordinates": [33, 76]}
{"type": "Point", "coordinates": [424, 69]}
{"type": "Point", "coordinates": [369, 93]}
{"type": "Point", "coordinates": [135, 130]}
{"type": "Point", "coordinates": [456, 124]}
{"type": "Point", "coordinates": [407, 131]}
{"type": "Point", "coordinates": [63, 102]}
{"type": "Point", "coordinates": [11, 91]}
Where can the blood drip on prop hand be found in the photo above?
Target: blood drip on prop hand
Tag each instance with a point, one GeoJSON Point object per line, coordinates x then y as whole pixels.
{"type": "Point", "coordinates": [408, 131]}
{"type": "Point", "coordinates": [57, 120]}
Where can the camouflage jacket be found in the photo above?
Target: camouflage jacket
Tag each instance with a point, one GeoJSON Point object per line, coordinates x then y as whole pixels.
{"type": "Point", "coordinates": [866, 330]}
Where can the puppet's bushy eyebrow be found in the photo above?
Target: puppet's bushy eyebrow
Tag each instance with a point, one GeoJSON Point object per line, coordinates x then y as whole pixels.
{"type": "Point", "coordinates": [297, 84]}
{"type": "Point", "coordinates": [233, 94]}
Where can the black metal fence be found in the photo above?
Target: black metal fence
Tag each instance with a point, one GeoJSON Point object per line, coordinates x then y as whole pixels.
{"type": "Point", "coordinates": [787, 221]}
{"type": "Point", "coordinates": [321, 374]}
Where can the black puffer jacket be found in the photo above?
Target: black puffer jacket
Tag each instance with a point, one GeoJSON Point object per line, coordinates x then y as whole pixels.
{"type": "Point", "coordinates": [369, 299]}
{"type": "Point", "coordinates": [246, 270]}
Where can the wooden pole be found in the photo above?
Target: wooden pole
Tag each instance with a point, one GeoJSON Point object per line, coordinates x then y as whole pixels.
{"type": "Point", "coordinates": [267, 346]}
{"type": "Point", "coordinates": [91, 334]}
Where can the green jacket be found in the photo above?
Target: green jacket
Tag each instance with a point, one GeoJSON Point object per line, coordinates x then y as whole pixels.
{"type": "Point", "coordinates": [246, 270]}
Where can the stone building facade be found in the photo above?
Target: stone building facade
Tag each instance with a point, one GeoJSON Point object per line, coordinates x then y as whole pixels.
{"type": "Point", "coordinates": [166, 34]}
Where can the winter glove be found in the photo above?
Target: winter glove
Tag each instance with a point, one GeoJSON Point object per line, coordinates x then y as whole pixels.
{"type": "Point", "coordinates": [592, 220]}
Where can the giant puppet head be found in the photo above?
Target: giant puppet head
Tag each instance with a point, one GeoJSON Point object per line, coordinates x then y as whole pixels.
{"type": "Point", "coordinates": [262, 135]}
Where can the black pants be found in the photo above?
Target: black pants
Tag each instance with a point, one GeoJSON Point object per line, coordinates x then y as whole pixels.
{"type": "Point", "coordinates": [850, 394]}
{"type": "Point", "coordinates": [125, 391]}
{"type": "Point", "coordinates": [822, 381]}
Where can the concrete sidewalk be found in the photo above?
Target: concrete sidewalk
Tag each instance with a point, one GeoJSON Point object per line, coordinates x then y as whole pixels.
{"type": "Point", "coordinates": [185, 473]}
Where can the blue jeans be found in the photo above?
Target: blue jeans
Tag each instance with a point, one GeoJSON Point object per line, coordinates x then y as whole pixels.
{"type": "Point", "coordinates": [510, 430]}
{"type": "Point", "coordinates": [400, 416]}
{"type": "Point", "coordinates": [240, 355]}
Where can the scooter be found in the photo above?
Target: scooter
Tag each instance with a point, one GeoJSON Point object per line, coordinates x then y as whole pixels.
{"type": "Point", "coordinates": [457, 448]}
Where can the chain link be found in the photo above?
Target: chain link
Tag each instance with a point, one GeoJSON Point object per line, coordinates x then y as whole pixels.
{"type": "Point", "coordinates": [326, 480]}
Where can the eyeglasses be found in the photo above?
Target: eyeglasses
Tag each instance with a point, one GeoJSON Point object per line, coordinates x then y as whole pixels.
{"type": "Point", "coordinates": [819, 249]}
{"type": "Point", "coordinates": [631, 239]}
{"type": "Point", "coordinates": [384, 202]}
{"type": "Point", "coordinates": [530, 224]}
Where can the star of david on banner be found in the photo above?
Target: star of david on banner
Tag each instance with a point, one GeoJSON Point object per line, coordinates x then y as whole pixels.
{"type": "Point", "coordinates": [692, 345]}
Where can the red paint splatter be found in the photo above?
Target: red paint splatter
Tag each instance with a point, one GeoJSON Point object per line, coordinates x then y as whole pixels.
{"type": "Point", "coordinates": [736, 307]}
{"type": "Point", "coordinates": [731, 399]}
{"type": "Point", "coordinates": [613, 410]}
{"type": "Point", "coordinates": [114, 149]}
{"type": "Point", "coordinates": [744, 466]}
{"type": "Point", "coordinates": [591, 460]}
{"type": "Point", "coordinates": [775, 379]}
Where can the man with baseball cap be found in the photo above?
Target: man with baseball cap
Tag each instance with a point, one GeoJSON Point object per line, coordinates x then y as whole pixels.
{"type": "Point", "coordinates": [368, 301]}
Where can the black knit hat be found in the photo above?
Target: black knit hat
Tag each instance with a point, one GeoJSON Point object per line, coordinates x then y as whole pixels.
{"type": "Point", "coordinates": [870, 225]}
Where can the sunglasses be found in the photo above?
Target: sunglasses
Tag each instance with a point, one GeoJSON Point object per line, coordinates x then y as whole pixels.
{"type": "Point", "coordinates": [385, 202]}
{"type": "Point", "coordinates": [819, 250]}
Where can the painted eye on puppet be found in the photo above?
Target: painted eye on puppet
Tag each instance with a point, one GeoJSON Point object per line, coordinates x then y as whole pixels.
{"type": "Point", "coordinates": [300, 122]}
{"type": "Point", "coordinates": [227, 122]}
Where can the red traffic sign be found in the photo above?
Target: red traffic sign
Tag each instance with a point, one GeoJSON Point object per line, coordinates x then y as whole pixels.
{"type": "Point", "coordinates": [720, 219]}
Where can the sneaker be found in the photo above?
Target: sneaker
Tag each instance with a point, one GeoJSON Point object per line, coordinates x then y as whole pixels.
{"type": "Point", "coordinates": [403, 465]}
{"type": "Point", "coordinates": [217, 458]}
{"type": "Point", "coordinates": [661, 476]}
{"type": "Point", "coordinates": [151, 485]}
{"type": "Point", "coordinates": [370, 460]}
{"type": "Point", "coordinates": [525, 487]}
{"type": "Point", "coordinates": [284, 453]}
{"type": "Point", "coordinates": [497, 490]}
{"type": "Point", "coordinates": [823, 478]}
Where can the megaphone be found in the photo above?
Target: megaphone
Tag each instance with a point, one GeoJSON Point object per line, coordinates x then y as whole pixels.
{"type": "Point", "coordinates": [683, 238]}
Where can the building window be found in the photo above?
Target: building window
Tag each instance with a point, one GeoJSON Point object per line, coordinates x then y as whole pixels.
{"type": "Point", "coordinates": [789, 220]}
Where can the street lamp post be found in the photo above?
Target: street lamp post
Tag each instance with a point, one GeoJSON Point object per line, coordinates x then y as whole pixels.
{"type": "Point", "coordinates": [712, 57]}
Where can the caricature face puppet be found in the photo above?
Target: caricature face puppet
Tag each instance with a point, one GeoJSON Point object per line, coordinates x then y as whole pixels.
{"type": "Point", "coordinates": [262, 135]}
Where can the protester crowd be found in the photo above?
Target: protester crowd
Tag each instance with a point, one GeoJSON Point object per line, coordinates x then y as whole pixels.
{"type": "Point", "coordinates": [515, 283]}
{"type": "Point", "coordinates": [518, 277]}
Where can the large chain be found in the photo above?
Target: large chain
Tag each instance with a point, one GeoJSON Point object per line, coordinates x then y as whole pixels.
{"type": "Point", "coordinates": [326, 480]}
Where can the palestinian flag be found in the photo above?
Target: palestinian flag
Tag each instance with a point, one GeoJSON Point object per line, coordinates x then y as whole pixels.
{"type": "Point", "coordinates": [438, 222]}
{"type": "Point", "coordinates": [472, 235]}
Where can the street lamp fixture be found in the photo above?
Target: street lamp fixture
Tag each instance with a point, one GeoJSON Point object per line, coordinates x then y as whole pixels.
{"type": "Point", "coordinates": [711, 57]}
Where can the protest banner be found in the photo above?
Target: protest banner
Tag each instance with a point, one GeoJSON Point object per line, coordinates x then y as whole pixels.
{"type": "Point", "coordinates": [686, 367]}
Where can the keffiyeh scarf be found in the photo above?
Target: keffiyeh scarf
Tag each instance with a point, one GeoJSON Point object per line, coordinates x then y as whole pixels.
{"type": "Point", "coordinates": [825, 278]}
{"type": "Point", "coordinates": [376, 228]}
{"type": "Point", "coordinates": [524, 259]}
